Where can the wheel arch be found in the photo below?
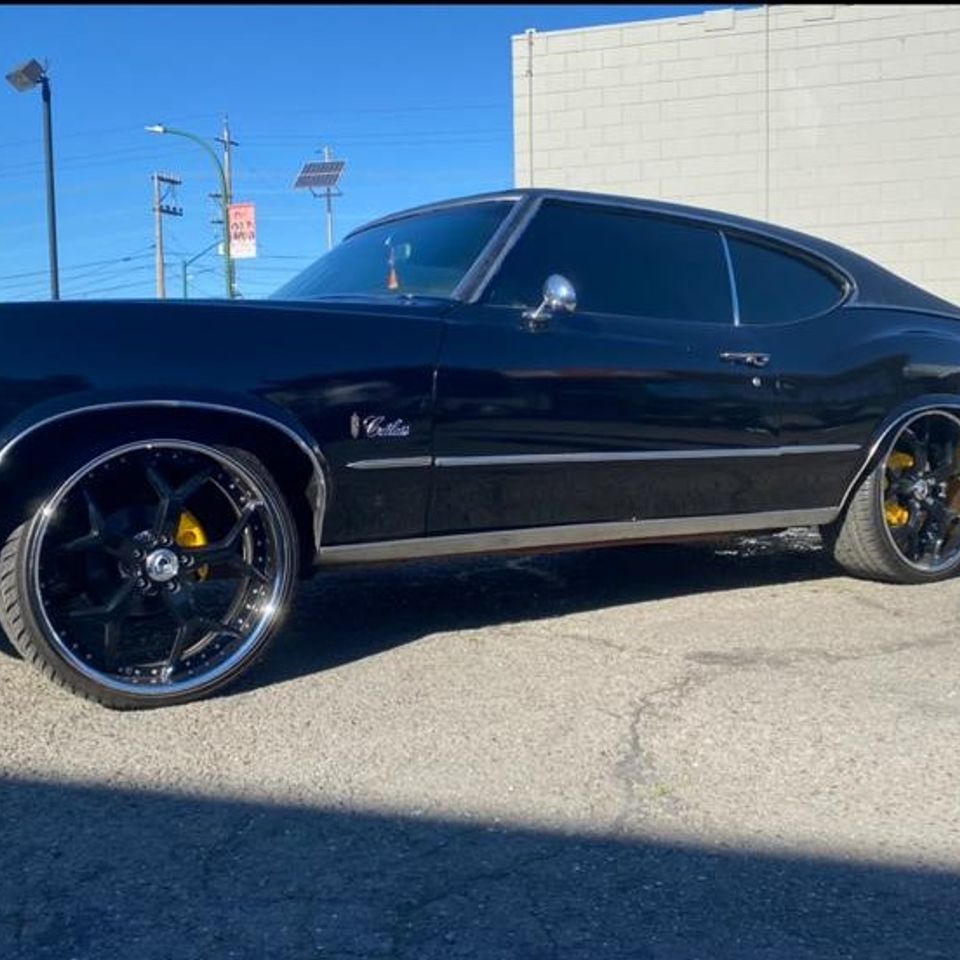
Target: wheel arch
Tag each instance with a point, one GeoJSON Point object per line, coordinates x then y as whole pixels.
{"type": "Point", "coordinates": [885, 433]}
{"type": "Point", "coordinates": [28, 450]}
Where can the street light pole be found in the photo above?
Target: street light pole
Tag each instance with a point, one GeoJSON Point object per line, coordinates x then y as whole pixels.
{"type": "Point", "coordinates": [224, 195]}
{"type": "Point", "coordinates": [24, 78]}
{"type": "Point", "coordinates": [186, 263]}
{"type": "Point", "coordinates": [51, 199]}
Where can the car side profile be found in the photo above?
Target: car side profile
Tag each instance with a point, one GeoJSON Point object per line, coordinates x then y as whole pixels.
{"type": "Point", "coordinates": [515, 371]}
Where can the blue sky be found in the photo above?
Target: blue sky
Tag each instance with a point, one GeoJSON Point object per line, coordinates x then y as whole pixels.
{"type": "Point", "coordinates": [417, 99]}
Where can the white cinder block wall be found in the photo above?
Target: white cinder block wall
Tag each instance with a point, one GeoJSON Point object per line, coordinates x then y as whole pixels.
{"type": "Point", "coordinates": [843, 121]}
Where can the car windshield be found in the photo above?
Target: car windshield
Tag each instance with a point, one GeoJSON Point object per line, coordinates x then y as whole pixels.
{"type": "Point", "coordinates": [420, 255]}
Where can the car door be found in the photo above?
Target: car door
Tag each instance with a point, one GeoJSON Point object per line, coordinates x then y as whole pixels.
{"type": "Point", "coordinates": [835, 371]}
{"type": "Point", "coordinates": [642, 403]}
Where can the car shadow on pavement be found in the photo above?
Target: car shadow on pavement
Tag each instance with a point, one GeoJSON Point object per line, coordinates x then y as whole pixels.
{"type": "Point", "coordinates": [91, 872]}
{"type": "Point", "coordinates": [348, 614]}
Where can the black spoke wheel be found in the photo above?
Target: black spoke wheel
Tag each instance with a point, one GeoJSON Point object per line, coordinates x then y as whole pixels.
{"type": "Point", "coordinates": [903, 523]}
{"type": "Point", "coordinates": [154, 574]}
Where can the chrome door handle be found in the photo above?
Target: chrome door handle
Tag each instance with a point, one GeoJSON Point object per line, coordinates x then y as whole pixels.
{"type": "Point", "coordinates": [748, 359]}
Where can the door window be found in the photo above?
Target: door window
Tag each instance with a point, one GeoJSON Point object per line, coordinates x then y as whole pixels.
{"type": "Point", "coordinates": [620, 263]}
{"type": "Point", "coordinates": [775, 287]}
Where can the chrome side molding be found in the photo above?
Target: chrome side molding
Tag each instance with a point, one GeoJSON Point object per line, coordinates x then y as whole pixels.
{"type": "Point", "coordinates": [391, 463]}
{"type": "Point", "coordinates": [575, 534]}
{"type": "Point", "coordinates": [617, 456]}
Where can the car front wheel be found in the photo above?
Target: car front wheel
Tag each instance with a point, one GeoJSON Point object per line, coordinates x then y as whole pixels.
{"type": "Point", "coordinates": [153, 574]}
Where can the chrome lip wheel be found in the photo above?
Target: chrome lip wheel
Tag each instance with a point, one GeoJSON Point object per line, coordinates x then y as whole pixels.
{"type": "Point", "coordinates": [134, 608]}
{"type": "Point", "coordinates": [920, 494]}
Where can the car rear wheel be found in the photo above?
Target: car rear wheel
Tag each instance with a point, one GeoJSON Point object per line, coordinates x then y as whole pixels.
{"type": "Point", "coordinates": [155, 573]}
{"type": "Point", "coordinates": [903, 523]}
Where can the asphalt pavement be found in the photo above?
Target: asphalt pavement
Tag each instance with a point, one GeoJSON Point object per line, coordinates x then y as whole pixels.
{"type": "Point", "coordinates": [727, 752]}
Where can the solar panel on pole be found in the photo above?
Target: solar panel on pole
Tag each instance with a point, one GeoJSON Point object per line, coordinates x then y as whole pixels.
{"type": "Point", "coordinates": [324, 176]}
{"type": "Point", "coordinates": [320, 175]}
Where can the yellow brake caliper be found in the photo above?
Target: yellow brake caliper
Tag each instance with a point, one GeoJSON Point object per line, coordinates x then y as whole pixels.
{"type": "Point", "coordinates": [895, 514]}
{"type": "Point", "coordinates": [191, 534]}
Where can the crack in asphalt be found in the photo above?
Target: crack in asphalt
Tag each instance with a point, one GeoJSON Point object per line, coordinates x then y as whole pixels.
{"type": "Point", "coordinates": [636, 769]}
{"type": "Point", "coordinates": [602, 642]}
{"type": "Point", "coordinates": [746, 657]}
{"type": "Point", "coordinates": [535, 912]}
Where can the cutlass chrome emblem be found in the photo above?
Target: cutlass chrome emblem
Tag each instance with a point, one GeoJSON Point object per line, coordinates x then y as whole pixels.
{"type": "Point", "coordinates": [376, 426]}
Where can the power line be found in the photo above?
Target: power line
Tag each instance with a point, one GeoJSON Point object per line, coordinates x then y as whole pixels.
{"type": "Point", "coordinates": [81, 266]}
{"type": "Point", "coordinates": [135, 125]}
{"type": "Point", "coordinates": [98, 288]}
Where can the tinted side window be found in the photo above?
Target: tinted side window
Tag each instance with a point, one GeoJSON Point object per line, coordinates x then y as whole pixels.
{"type": "Point", "coordinates": [774, 287]}
{"type": "Point", "coordinates": [620, 263]}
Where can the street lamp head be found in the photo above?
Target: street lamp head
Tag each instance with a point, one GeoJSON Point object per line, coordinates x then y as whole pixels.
{"type": "Point", "coordinates": [27, 76]}
{"type": "Point", "coordinates": [156, 128]}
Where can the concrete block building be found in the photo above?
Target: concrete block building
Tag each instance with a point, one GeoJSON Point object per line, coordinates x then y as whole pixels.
{"type": "Point", "coordinates": [840, 120]}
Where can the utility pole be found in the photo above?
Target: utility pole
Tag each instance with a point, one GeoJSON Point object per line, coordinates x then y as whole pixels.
{"type": "Point", "coordinates": [227, 165]}
{"type": "Point", "coordinates": [226, 141]}
{"type": "Point", "coordinates": [163, 185]}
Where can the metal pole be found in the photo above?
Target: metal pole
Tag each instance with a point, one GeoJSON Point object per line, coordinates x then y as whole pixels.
{"type": "Point", "coordinates": [227, 166]}
{"type": "Point", "coordinates": [51, 200]}
{"type": "Point", "coordinates": [530, 33]}
{"type": "Point", "coordinates": [326, 157]}
{"type": "Point", "coordinates": [223, 199]}
{"type": "Point", "coordinates": [161, 277]}
{"type": "Point", "coordinates": [329, 221]}
{"type": "Point", "coordinates": [228, 179]}
{"type": "Point", "coordinates": [186, 263]}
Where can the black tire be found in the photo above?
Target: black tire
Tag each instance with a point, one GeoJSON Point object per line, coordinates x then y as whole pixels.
{"type": "Point", "coordinates": [138, 611]}
{"type": "Point", "coordinates": [902, 524]}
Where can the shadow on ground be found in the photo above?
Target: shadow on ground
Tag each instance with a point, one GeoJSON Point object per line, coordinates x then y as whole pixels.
{"type": "Point", "coordinates": [92, 872]}
{"type": "Point", "coordinates": [347, 614]}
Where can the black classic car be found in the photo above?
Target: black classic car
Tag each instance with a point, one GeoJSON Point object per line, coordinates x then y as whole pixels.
{"type": "Point", "coordinates": [516, 371]}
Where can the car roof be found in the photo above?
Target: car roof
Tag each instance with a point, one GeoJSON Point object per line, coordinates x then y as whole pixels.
{"type": "Point", "coordinates": [873, 285]}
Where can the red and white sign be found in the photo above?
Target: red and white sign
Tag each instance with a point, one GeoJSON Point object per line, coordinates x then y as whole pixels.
{"type": "Point", "coordinates": [243, 230]}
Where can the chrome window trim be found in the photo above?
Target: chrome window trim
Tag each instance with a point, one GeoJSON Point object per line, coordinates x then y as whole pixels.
{"type": "Point", "coordinates": [573, 535]}
{"type": "Point", "coordinates": [711, 218]}
{"type": "Point", "coordinates": [506, 197]}
{"type": "Point", "coordinates": [753, 229]}
{"type": "Point", "coordinates": [488, 261]}
{"type": "Point", "coordinates": [734, 298]}
{"type": "Point", "coordinates": [518, 224]}
{"type": "Point", "coordinates": [641, 455]}
{"type": "Point", "coordinates": [815, 261]}
{"type": "Point", "coordinates": [319, 496]}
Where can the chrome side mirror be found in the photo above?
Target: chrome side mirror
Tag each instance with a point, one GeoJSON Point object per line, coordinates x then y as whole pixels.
{"type": "Point", "coordinates": [558, 294]}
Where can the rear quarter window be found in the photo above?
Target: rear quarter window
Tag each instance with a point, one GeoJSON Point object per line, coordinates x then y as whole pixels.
{"type": "Point", "coordinates": [775, 286]}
